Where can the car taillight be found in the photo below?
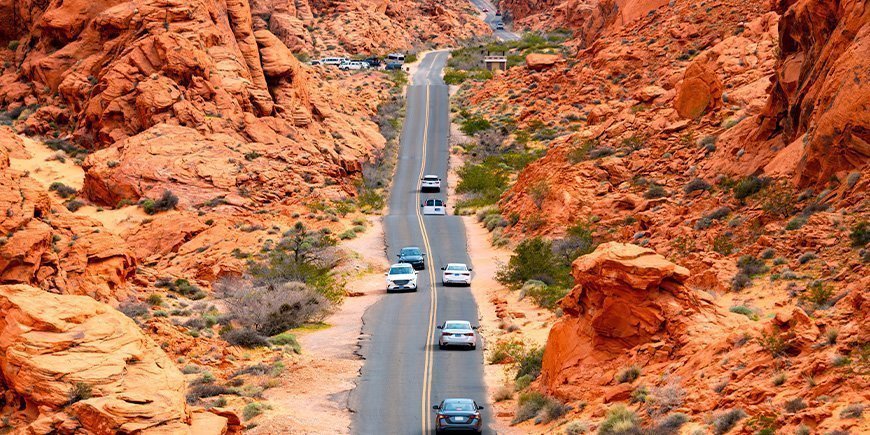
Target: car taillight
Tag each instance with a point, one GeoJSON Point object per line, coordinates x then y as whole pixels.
{"type": "Point", "coordinates": [469, 334]}
{"type": "Point", "coordinates": [445, 334]}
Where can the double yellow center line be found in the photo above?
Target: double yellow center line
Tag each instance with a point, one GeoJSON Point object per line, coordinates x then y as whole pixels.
{"type": "Point", "coordinates": [425, 399]}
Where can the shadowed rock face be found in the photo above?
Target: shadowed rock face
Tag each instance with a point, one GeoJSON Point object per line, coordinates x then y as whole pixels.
{"type": "Point", "coordinates": [50, 343]}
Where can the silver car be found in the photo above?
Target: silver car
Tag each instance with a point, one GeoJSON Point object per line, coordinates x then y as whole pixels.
{"type": "Point", "coordinates": [457, 333]}
{"type": "Point", "coordinates": [401, 276]}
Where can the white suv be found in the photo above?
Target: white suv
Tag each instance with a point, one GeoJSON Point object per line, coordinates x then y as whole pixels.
{"type": "Point", "coordinates": [401, 276]}
{"type": "Point", "coordinates": [456, 273]}
{"type": "Point", "coordinates": [434, 206]}
{"type": "Point", "coordinates": [430, 183]}
{"type": "Point", "coordinates": [351, 65]}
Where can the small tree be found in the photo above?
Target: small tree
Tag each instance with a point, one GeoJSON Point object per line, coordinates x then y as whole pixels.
{"type": "Point", "coordinates": [271, 309]}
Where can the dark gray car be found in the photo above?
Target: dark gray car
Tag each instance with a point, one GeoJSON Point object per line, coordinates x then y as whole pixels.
{"type": "Point", "coordinates": [413, 256]}
{"type": "Point", "coordinates": [458, 415]}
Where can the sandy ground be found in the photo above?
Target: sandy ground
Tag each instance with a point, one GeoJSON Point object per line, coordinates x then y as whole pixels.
{"type": "Point", "coordinates": [314, 391]}
{"type": "Point", "coordinates": [45, 168]}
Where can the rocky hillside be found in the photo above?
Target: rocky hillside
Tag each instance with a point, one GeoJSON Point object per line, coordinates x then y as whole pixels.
{"type": "Point", "coordinates": [366, 26]}
{"type": "Point", "coordinates": [726, 141]}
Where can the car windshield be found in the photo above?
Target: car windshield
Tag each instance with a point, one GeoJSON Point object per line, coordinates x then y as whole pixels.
{"type": "Point", "coordinates": [435, 202]}
{"type": "Point", "coordinates": [456, 267]}
{"type": "Point", "coordinates": [457, 325]}
{"type": "Point", "coordinates": [458, 405]}
{"type": "Point", "coordinates": [401, 270]}
{"type": "Point", "coordinates": [410, 251]}
{"type": "Point", "coordinates": [430, 178]}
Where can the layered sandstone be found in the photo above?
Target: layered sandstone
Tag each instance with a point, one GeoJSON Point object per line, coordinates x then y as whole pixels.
{"type": "Point", "coordinates": [76, 365]}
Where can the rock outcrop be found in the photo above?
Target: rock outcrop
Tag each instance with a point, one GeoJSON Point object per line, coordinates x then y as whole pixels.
{"type": "Point", "coordinates": [626, 297]}
{"type": "Point", "coordinates": [45, 245]}
{"type": "Point", "coordinates": [78, 366]}
{"type": "Point", "coordinates": [540, 62]}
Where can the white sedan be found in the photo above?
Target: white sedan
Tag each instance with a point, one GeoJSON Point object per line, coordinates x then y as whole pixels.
{"type": "Point", "coordinates": [430, 183]}
{"type": "Point", "coordinates": [434, 206]}
{"type": "Point", "coordinates": [457, 333]}
{"type": "Point", "coordinates": [456, 273]}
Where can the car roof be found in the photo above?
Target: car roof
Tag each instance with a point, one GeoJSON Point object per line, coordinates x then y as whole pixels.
{"type": "Point", "coordinates": [465, 322]}
{"type": "Point", "coordinates": [411, 247]}
{"type": "Point", "coordinates": [458, 399]}
{"type": "Point", "coordinates": [456, 264]}
{"type": "Point", "coordinates": [430, 176]}
{"type": "Point", "coordinates": [401, 265]}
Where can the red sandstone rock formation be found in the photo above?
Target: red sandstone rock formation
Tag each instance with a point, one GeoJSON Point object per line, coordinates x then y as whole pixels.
{"type": "Point", "coordinates": [51, 344]}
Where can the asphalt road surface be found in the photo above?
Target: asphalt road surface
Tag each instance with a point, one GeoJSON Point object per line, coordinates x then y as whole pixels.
{"type": "Point", "coordinates": [404, 373]}
{"type": "Point", "coordinates": [492, 18]}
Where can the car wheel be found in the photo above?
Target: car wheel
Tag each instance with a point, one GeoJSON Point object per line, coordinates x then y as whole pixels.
{"type": "Point", "coordinates": [473, 347]}
{"type": "Point", "coordinates": [441, 346]}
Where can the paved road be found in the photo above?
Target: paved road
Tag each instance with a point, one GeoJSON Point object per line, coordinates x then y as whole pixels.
{"type": "Point", "coordinates": [404, 373]}
{"type": "Point", "coordinates": [491, 19]}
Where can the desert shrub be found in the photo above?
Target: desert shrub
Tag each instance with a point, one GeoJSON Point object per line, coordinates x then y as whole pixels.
{"type": "Point", "coordinates": [639, 395]}
{"type": "Point", "coordinates": [80, 391]}
{"type": "Point", "coordinates": [796, 223]}
{"type": "Point", "coordinates": [539, 192]}
{"type": "Point", "coordinates": [545, 296]}
{"type": "Point", "coordinates": [74, 205]}
{"type": "Point", "coordinates": [778, 200]}
{"type": "Point", "coordinates": [528, 406]}
{"type": "Point", "coordinates": [619, 420]}
{"type": "Point", "coordinates": [668, 425]}
{"type": "Point", "coordinates": [133, 309]}
{"type": "Point", "coordinates": [580, 153]}
{"type": "Point", "coordinates": [751, 266]}
{"type": "Point", "coordinates": [749, 186]}
{"type": "Point", "coordinates": [726, 420]}
{"type": "Point", "coordinates": [529, 363]}
{"type": "Point", "coordinates": [819, 294]}
{"type": "Point", "coordinates": [768, 253]}
{"type": "Point", "coordinates": [779, 379]}
{"type": "Point", "coordinates": [855, 410]}
{"type": "Point", "coordinates": [182, 287]}
{"type": "Point", "coordinates": [533, 259]}
{"type": "Point", "coordinates": [601, 152]}
{"type": "Point", "coordinates": [252, 410]}
{"type": "Point", "coordinates": [628, 374]}
{"type": "Point", "coordinates": [203, 390]}
{"type": "Point", "coordinates": [474, 124]}
{"type": "Point", "coordinates": [740, 281]}
{"type": "Point", "coordinates": [167, 201]}
{"type": "Point", "coordinates": [576, 428]}
{"type": "Point", "coordinates": [831, 336]}
{"type": "Point", "coordinates": [503, 393]}
{"type": "Point", "coordinates": [655, 191]}
{"type": "Point", "coordinates": [553, 410]}
{"type": "Point", "coordinates": [245, 337]}
{"type": "Point", "coordinates": [522, 382]}
{"type": "Point", "coordinates": [773, 342]}
{"type": "Point", "coordinates": [740, 309]}
{"type": "Point", "coordinates": [723, 244]}
{"type": "Point", "coordinates": [860, 234]}
{"type": "Point", "coordinates": [665, 398]}
{"type": "Point", "coordinates": [270, 309]}
{"type": "Point", "coordinates": [191, 369]}
{"type": "Point", "coordinates": [506, 351]}
{"type": "Point", "coordinates": [62, 189]}
{"type": "Point", "coordinates": [288, 340]}
{"type": "Point", "coordinates": [794, 405]}
{"type": "Point", "coordinates": [154, 299]}
{"type": "Point", "coordinates": [802, 430]}
{"type": "Point", "coordinates": [695, 185]}
{"type": "Point", "coordinates": [807, 257]}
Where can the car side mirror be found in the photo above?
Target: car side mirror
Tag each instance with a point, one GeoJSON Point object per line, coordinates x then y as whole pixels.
{"type": "Point", "coordinates": [436, 407]}
{"type": "Point", "coordinates": [470, 269]}
{"type": "Point", "coordinates": [479, 407]}
{"type": "Point", "coordinates": [443, 268]}
{"type": "Point", "coordinates": [475, 327]}
{"type": "Point", "coordinates": [421, 204]}
{"type": "Point", "coordinates": [416, 273]}
{"type": "Point", "coordinates": [440, 327]}
{"type": "Point", "coordinates": [423, 254]}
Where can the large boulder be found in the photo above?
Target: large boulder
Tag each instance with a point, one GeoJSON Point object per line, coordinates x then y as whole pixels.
{"type": "Point", "coordinates": [52, 346]}
{"type": "Point", "coordinates": [625, 297]}
{"type": "Point", "coordinates": [701, 89]}
{"type": "Point", "coordinates": [540, 62]}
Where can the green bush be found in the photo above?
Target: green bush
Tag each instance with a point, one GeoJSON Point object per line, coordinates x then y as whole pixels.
{"type": "Point", "coordinates": [740, 309]}
{"type": "Point", "coordinates": [545, 296]}
{"type": "Point", "coordinates": [749, 186]}
{"type": "Point", "coordinates": [619, 420]}
{"type": "Point", "coordinates": [252, 410]}
{"type": "Point", "coordinates": [167, 201]}
{"type": "Point", "coordinates": [474, 124]}
{"type": "Point", "coordinates": [726, 420]}
{"type": "Point", "coordinates": [529, 364]}
{"type": "Point", "coordinates": [80, 391]}
{"type": "Point", "coordinates": [655, 191]}
{"type": "Point", "coordinates": [62, 190]}
{"type": "Point", "coordinates": [245, 337]}
{"type": "Point", "coordinates": [818, 293]}
{"type": "Point", "coordinates": [286, 339]}
{"type": "Point", "coordinates": [533, 404]}
{"type": "Point", "coordinates": [154, 299]}
{"type": "Point", "coordinates": [628, 374]}
{"type": "Point", "coordinates": [532, 259]}
{"type": "Point", "coordinates": [860, 234]}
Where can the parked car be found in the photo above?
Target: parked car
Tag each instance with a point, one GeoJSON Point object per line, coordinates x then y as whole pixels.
{"type": "Point", "coordinates": [498, 13]}
{"type": "Point", "coordinates": [315, 62]}
{"type": "Point", "coordinates": [430, 183]}
{"type": "Point", "coordinates": [333, 60]}
{"type": "Point", "coordinates": [499, 26]}
{"type": "Point", "coordinates": [414, 256]}
{"type": "Point", "coordinates": [434, 206]}
{"type": "Point", "coordinates": [373, 62]}
{"type": "Point", "coordinates": [457, 333]}
{"type": "Point", "coordinates": [458, 415]}
{"type": "Point", "coordinates": [391, 66]}
{"type": "Point", "coordinates": [396, 57]}
{"type": "Point", "coordinates": [351, 65]}
{"type": "Point", "coordinates": [456, 273]}
{"type": "Point", "coordinates": [401, 276]}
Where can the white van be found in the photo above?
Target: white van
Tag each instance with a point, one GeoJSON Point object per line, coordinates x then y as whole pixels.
{"type": "Point", "coordinates": [396, 57]}
{"type": "Point", "coordinates": [333, 60]}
